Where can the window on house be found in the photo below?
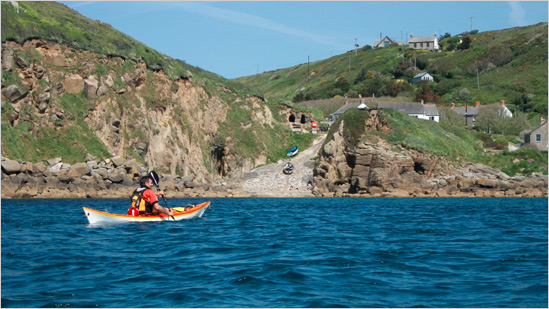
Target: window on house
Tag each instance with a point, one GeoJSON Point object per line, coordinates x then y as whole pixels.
{"type": "Point", "coordinates": [538, 138]}
{"type": "Point", "coordinates": [415, 45]}
{"type": "Point", "coordinates": [421, 44]}
{"type": "Point", "coordinates": [427, 44]}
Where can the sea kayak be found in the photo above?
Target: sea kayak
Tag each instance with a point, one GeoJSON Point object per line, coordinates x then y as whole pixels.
{"type": "Point", "coordinates": [179, 213]}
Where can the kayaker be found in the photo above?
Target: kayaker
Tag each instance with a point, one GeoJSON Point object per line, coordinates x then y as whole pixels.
{"type": "Point", "coordinates": [147, 199]}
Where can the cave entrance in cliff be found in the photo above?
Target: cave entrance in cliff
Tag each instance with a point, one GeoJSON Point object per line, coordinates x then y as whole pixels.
{"type": "Point", "coordinates": [291, 118]}
{"type": "Point", "coordinates": [419, 168]}
{"type": "Point", "coordinates": [303, 119]}
{"type": "Point", "coordinates": [218, 155]}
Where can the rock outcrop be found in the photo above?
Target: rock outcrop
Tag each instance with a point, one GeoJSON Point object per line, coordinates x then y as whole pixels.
{"type": "Point", "coordinates": [382, 169]}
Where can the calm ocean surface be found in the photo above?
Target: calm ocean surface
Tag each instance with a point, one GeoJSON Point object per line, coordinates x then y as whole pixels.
{"type": "Point", "coordinates": [258, 252]}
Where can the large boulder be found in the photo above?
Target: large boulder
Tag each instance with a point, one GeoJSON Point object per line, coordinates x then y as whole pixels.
{"type": "Point", "coordinates": [73, 83]}
{"type": "Point", "coordinates": [117, 176]}
{"type": "Point", "coordinates": [118, 161]}
{"type": "Point", "coordinates": [108, 81]}
{"type": "Point", "coordinates": [7, 59]}
{"type": "Point", "coordinates": [81, 169]}
{"type": "Point", "coordinates": [11, 167]}
{"type": "Point", "coordinates": [13, 93]}
{"type": "Point", "coordinates": [90, 86]}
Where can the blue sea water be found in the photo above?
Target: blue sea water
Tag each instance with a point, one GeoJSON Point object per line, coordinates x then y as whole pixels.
{"type": "Point", "coordinates": [280, 252]}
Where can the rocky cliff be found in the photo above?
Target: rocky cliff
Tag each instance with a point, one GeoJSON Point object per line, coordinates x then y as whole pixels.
{"type": "Point", "coordinates": [382, 169]}
{"type": "Point", "coordinates": [125, 108]}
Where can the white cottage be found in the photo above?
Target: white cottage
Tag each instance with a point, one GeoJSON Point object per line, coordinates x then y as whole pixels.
{"type": "Point", "coordinates": [422, 76]}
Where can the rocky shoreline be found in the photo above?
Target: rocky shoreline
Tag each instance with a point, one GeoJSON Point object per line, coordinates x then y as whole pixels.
{"type": "Point", "coordinates": [110, 178]}
{"type": "Point", "coordinates": [117, 178]}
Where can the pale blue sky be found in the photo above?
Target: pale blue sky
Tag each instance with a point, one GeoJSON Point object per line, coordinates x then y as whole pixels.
{"type": "Point", "coordinates": [240, 38]}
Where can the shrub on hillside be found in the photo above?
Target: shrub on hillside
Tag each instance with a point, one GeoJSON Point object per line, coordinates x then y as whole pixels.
{"type": "Point", "coordinates": [450, 117]}
{"type": "Point", "coordinates": [342, 85]}
{"type": "Point", "coordinates": [396, 87]}
{"type": "Point", "coordinates": [360, 77]}
{"type": "Point", "coordinates": [426, 94]}
{"type": "Point", "coordinates": [465, 43]}
{"type": "Point", "coordinates": [372, 86]}
{"type": "Point", "coordinates": [402, 67]}
{"type": "Point", "coordinates": [446, 86]}
{"type": "Point", "coordinates": [491, 119]}
{"type": "Point", "coordinates": [500, 143]}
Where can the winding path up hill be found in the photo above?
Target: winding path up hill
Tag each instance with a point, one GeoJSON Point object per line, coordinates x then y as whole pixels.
{"type": "Point", "coordinates": [269, 181]}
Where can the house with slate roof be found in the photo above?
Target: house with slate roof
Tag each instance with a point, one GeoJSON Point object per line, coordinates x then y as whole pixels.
{"type": "Point", "coordinates": [386, 41]}
{"type": "Point", "coordinates": [343, 109]}
{"type": "Point", "coordinates": [422, 76]}
{"type": "Point", "coordinates": [470, 112]}
{"type": "Point", "coordinates": [424, 42]}
{"type": "Point", "coordinates": [414, 109]}
{"type": "Point", "coordinates": [431, 112]}
{"type": "Point", "coordinates": [537, 138]}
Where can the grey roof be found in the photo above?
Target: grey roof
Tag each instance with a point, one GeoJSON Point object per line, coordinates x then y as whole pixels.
{"type": "Point", "coordinates": [417, 39]}
{"type": "Point", "coordinates": [471, 110]}
{"type": "Point", "coordinates": [538, 127]}
{"type": "Point", "coordinates": [430, 110]}
{"type": "Point", "coordinates": [422, 74]}
{"type": "Point", "coordinates": [410, 108]}
{"type": "Point", "coordinates": [385, 39]}
{"type": "Point", "coordinates": [345, 107]}
{"type": "Point", "coordinates": [407, 107]}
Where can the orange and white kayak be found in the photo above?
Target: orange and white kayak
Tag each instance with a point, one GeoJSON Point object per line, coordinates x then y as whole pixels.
{"type": "Point", "coordinates": [179, 213]}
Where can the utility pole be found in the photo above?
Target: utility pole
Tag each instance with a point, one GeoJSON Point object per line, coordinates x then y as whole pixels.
{"type": "Point", "coordinates": [471, 23]}
{"type": "Point", "coordinates": [478, 83]}
{"type": "Point", "coordinates": [356, 46]}
{"type": "Point", "coordinates": [465, 114]}
{"type": "Point", "coordinates": [308, 71]}
{"type": "Point", "coordinates": [349, 63]}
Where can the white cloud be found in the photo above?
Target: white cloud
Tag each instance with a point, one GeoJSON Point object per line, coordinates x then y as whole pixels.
{"type": "Point", "coordinates": [517, 14]}
{"type": "Point", "coordinates": [255, 21]}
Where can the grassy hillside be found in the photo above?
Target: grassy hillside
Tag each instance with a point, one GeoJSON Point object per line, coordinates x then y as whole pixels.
{"type": "Point", "coordinates": [54, 21]}
{"type": "Point", "coordinates": [511, 66]}
{"type": "Point", "coordinates": [30, 135]}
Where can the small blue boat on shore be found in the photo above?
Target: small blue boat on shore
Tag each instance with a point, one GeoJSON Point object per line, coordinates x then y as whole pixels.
{"type": "Point", "coordinates": [292, 152]}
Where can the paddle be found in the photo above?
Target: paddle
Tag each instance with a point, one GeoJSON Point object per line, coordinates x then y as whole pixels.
{"type": "Point", "coordinates": [156, 179]}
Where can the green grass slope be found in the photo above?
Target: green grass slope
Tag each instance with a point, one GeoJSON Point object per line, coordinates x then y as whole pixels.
{"type": "Point", "coordinates": [56, 22]}
{"type": "Point", "coordinates": [510, 64]}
